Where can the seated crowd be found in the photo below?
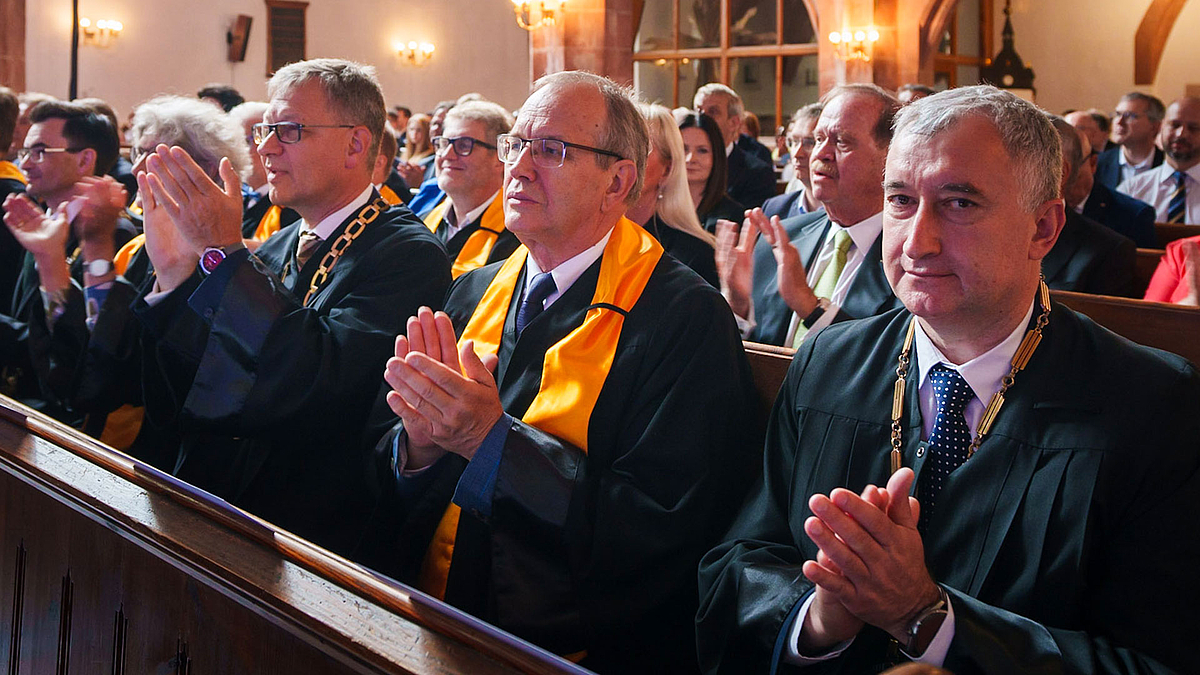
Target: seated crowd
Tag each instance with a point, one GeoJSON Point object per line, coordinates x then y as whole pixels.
{"type": "Point", "coordinates": [499, 357]}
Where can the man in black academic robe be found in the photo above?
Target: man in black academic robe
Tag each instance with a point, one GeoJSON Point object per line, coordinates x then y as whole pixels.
{"type": "Point", "coordinates": [266, 364]}
{"type": "Point", "coordinates": [586, 553]}
{"type": "Point", "coordinates": [1062, 544]}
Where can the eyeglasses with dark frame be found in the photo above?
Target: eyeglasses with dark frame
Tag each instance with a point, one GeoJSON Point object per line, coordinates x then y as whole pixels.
{"type": "Point", "coordinates": [289, 132]}
{"type": "Point", "coordinates": [38, 153]}
{"type": "Point", "coordinates": [547, 153]}
{"type": "Point", "coordinates": [463, 145]}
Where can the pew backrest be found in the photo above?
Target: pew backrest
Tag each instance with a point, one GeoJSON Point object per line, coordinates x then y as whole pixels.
{"type": "Point", "coordinates": [1173, 328]}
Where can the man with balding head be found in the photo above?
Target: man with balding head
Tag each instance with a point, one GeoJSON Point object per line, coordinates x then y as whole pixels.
{"type": "Point", "coordinates": [1054, 468]}
{"type": "Point", "coordinates": [750, 180]}
{"type": "Point", "coordinates": [561, 459]}
{"type": "Point", "coordinates": [1089, 122]}
{"type": "Point", "coordinates": [1173, 189]}
{"type": "Point", "coordinates": [816, 269]}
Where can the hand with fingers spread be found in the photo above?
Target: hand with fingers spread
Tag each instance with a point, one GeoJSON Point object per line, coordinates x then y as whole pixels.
{"type": "Point", "coordinates": [878, 557]}
{"type": "Point", "coordinates": [45, 237]}
{"type": "Point", "coordinates": [101, 201]}
{"type": "Point", "coordinates": [413, 174]}
{"type": "Point", "coordinates": [206, 214]}
{"type": "Point", "coordinates": [793, 278]}
{"type": "Point", "coordinates": [173, 258]}
{"type": "Point", "coordinates": [735, 263]}
{"type": "Point", "coordinates": [444, 392]}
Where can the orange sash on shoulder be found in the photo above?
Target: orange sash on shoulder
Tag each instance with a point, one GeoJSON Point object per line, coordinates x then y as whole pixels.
{"type": "Point", "coordinates": [10, 171]}
{"type": "Point", "coordinates": [389, 195]}
{"type": "Point", "coordinates": [478, 247]}
{"type": "Point", "coordinates": [268, 224]}
{"type": "Point", "coordinates": [573, 370]}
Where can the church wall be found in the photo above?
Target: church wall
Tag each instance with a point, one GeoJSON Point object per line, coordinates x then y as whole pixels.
{"type": "Point", "coordinates": [178, 46]}
{"type": "Point", "coordinates": [1082, 51]}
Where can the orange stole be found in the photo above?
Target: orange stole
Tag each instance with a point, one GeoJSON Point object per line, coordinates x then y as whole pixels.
{"type": "Point", "coordinates": [10, 171]}
{"type": "Point", "coordinates": [389, 195]}
{"type": "Point", "coordinates": [478, 247]}
{"type": "Point", "coordinates": [121, 260]}
{"type": "Point", "coordinates": [573, 370]}
{"type": "Point", "coordinates": [268, 224]}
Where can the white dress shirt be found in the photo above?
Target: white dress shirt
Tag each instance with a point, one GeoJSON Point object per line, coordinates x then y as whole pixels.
{"type": "Point", "coordinates": [983, 374]}
{"type": "Point", "coordinates": [1156, 186]}
{"type": "Point", "coordinates": [568, 271]}
{"type": "Point", "coordinates": [454, 225]}
{"type": "Point", "coordinates": [1129, 170]}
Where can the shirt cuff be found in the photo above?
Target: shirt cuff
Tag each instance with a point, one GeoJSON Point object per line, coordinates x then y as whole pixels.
{"type": "Point", "coordinates": [793, 655]}
{"type": "Point", "coordinates": [935, 653]}
{"type": "Point", "coordinates": [478, 481]}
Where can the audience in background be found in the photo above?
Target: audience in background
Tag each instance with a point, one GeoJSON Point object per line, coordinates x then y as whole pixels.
{"type": "Point", "coordinates": [707, 169]}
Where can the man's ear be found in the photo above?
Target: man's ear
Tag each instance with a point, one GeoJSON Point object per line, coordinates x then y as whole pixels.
{"type": "Point", "coordinates": [1049, 219]}
{"type": "Point", "coordinates": [87, 162]}
{"type": "Point", "coordinates": [624, 175]}
{"type": "Point", "coordinates": [357, 149]}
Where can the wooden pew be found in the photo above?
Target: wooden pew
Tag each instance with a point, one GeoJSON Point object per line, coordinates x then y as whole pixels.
{"type": "Point", "coordinates": [109, 566]}
{"type": "Point", "coordinates": [1169, 232]}
{"type": "Point", "coordinates": [768, 366]}
{"type": "Point", "coordinates": [1143, 268]}
{"type": "Point", "coordinates": [1173, 328]}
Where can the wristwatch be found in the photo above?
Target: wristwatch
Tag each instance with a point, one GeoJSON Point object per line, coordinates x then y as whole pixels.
{"type": "Point", "coordinates": [98, 267]}
{"type": "Point", "coordinates": [823, 306]}
{"type": "Point", "coordinates": [926, 625]}
{"type": "Point", "coordinates": [209, 260]}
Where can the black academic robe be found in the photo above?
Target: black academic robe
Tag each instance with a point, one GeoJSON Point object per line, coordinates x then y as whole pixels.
{"type": "Point", "coordinates": [869, 293]}
{"type": "Point", "coordinates": [750, 179]}
{"type": "Point", "coordinates": [726, 209]}
{"type": "Point", "coordinates": [11, 251]}
{"type": "Point", "coordinates": [252, 217]}
{"type": "Point", "coordinates": [687, 249]}
{"type": "Point", "coordinates": [1067, 542]}
{"type": "Point", "coordinates": [505, 244]}
{"type": "Point", "coordinates": [268, 396]}
{"type": "Point", "coordinates": [1090, 258]}
{"type": "Point", "coordinates": [596, 551]}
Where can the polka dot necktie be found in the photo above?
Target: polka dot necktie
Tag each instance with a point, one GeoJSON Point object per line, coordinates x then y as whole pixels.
{"type": "Point", "coordinates": [950, 438]}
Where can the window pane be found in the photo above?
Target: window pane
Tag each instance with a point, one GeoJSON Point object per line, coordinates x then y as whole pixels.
{"type": "Point", "coordinates": [797, 25]}
{"type": "Point", "coordinates": [699, 23]}
{"type": "Point", "coordinates": [694, 73]}
{"type": "Point", "coordinates": [656, 31]}
{"type": "Point", "coordinates": [967, 75]}
{"type": "Point", "coordinates": [754, 80]}
{"type": "Point", "coordinates": [968, 28]}
{"type": "Point", "coordinates": [752, 22]}
{"type": "Point", "coordinates": [652, 80]}
{"type": "Point", "coordinates": [800, 83]}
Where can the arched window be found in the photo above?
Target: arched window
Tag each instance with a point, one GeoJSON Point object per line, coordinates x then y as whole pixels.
{"type": "Point", "coordinates": [966, 45]}
{"type": "Point", "coordinates": [765, 50]}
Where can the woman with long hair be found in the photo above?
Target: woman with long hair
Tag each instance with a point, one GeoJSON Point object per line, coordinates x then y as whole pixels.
{"type": "Point", "coordinates": [665, 206]}
{"type": "Point", "coordinates": [704, 154]}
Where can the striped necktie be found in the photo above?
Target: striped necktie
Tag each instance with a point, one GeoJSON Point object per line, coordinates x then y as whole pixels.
{"type": "Point", "coordinates": [306, 245]}
{"type": "Point", "coordinates": [949, 439]}
{"type": "Point", "coordinates": [1177, 207]}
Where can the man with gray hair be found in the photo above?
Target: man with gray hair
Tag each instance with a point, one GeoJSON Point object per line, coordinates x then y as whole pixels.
{"type": "Point", "coordinates": [1051, 531]}
{"type": "Point", "coordinates": [750, 180]}
{"type": "Point", "coordinates": [800, 141]}
{"type": "Point", "coordinates": [470, 219]}
{"type": "Point", "coordinates": [568, 498]}
{"type": "Point", "coordinates": [266, 364]}
{"type": "Point", "coordinates": [1088, 257]}
{"type": "Point", "coordinates": [1135, 125]}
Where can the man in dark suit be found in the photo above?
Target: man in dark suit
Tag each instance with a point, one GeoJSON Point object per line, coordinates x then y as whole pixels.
{"type": "Point", "coordinates": [1135, 126]}
{"type": "Point", "coordinates": [750, 179]}
{"type": "Point", "coordinates": [266, 365]}
{"type": "Point", "coordinates": [1088, 257]}
{"type": "Point", "coordinates": [815, 269]}
{"type": "Point", "coordinates": [1054, 536]}
{"type": "Point", "coordinates": [800, 143]}
{"type": "Point", "coordinates": [568, 498]}
{"type": "Point", "coordinates": [1117, 211]}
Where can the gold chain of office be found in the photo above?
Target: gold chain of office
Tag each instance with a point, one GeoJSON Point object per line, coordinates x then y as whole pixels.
{"type": "Point", "coordinates": [356, 227]}
{"type": "Point", "coordinates": [1020, 359]}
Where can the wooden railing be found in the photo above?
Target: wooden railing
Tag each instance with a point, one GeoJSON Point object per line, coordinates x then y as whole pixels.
{"type": "Point", "coordinates": [1169, 232]}
{"type": "Point", "coordinates": [107, 565]}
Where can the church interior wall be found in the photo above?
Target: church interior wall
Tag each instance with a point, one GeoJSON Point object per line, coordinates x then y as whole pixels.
{"type": "Point", "coordinates": [1081, 51]}
{"type": "Point", "coordinates": [178, 46]}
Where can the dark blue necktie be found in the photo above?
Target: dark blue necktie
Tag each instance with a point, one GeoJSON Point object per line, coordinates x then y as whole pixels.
{"type": "Point", "coordinates": [950, 438]}
{"type": "Point", "coordinates": [1177, 207]}
{"type": "Point", "coordinates": [539, 289]}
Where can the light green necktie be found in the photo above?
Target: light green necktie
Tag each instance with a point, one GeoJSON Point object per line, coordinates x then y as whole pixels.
{"type": "Point", "coordinates": [829, 277]}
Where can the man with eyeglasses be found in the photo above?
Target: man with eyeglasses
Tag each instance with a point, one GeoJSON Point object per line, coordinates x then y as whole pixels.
{"type": "Point", "coordinates": [1135, 125]}
{"type": "Point", "coordinates": [470, 220]}
{"type": "Point", "coordinates": [567, 497]}
{"type": "Point", "coordinates": [268, 363]}
{"type": "Point", "coordinates": [260, 217]}
{"type": "Point", "coordinates": [1173, 189]}
{"type": "Point", "coordinates": [800, 141]}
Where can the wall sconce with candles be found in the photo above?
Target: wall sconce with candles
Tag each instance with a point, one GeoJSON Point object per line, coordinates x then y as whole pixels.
{"type": "Point", "coordinates": [855, 45]}
{"type": "Point", "coordinates": [534, 14]}
{"type": "Point", "coordinates": [415, 53]}
{"type": "Point", "coordinates": [100, 33]}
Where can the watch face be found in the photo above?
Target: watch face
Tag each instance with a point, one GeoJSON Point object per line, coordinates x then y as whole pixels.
{"type": "Point", "coordinates": [211, 258]}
